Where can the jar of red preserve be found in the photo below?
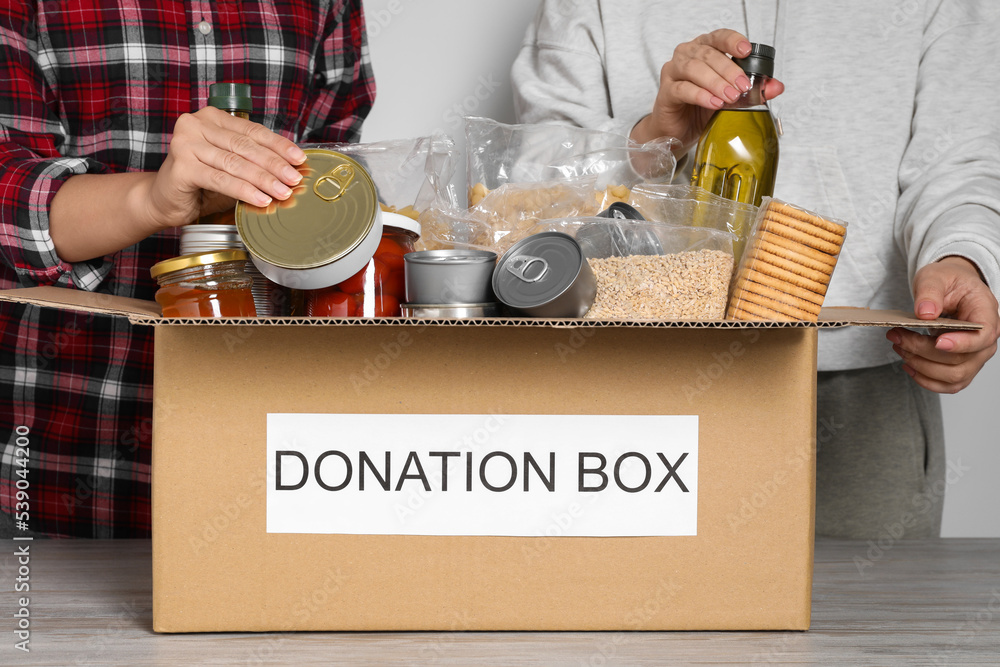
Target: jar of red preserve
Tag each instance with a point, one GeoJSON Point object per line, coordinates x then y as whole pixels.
{"type": "Point", "coordinates": [211, 284]}
{"type": "Point", "coordinates": [379, 288]}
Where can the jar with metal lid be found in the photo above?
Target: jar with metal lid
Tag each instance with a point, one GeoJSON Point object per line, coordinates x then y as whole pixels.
{"type": "Point", "coordinates": [269, 298]}
{"type": "Point", "coordinates": [210, 284]}
{"type": "Point", "coordinates": [379, 288]}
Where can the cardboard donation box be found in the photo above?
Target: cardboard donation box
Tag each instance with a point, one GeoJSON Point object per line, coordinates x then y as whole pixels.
{"type": "Point", "coordinates": [320, 474]}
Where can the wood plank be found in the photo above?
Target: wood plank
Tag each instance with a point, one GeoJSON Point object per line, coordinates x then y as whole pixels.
{"type": "Point", "coordinates": [919, 602]}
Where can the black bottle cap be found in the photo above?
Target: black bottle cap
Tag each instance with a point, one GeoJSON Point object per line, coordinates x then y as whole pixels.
{"type": "Point", "coordinates": [226, 96]}
{"type": "Point", "coordinates": [759, 61]}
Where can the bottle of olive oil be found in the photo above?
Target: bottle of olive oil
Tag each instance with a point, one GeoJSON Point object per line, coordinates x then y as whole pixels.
{"type": "Point", "coordinates": [232, 97]}
{"type": "Point", "coordinates": [737, 154]}
{"type": "Point", "coordinates": [235, 99]}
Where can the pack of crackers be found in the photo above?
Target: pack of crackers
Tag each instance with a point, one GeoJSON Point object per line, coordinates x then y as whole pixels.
{"type": "Point", "coordinates": [787, 266]}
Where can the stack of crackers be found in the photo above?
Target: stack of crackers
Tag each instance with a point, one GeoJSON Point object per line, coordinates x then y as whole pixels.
{"type": "Point", "coordinates": [787, 266]}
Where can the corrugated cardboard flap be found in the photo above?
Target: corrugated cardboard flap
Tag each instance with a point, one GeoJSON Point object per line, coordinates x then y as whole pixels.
{"type": "Point", "coordinates": [143, 312]}
{"type": "Point", "coordinates": [844, 316]}
{"type": "Point", "coordinates": [136, 310]}
{"type": "Point", "coordinates": [533, 322]}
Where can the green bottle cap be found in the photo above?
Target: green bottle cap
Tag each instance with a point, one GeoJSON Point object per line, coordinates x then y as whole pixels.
{"type": "Point", "coordinates": [760, 60]}
{"type": "Point", "coordinates": [230, 96]}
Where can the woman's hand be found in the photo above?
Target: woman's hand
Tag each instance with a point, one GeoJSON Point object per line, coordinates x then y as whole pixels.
{"type": "Point", "coordinates": [697, 81]}
{"type": "Point", "coordinates": [216, 158]}
{"type": "Point", "coordinates": [948, 362]}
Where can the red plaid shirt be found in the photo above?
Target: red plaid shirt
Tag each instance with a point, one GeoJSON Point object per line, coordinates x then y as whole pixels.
{"type": "Point", "coordinates": [95, 86]}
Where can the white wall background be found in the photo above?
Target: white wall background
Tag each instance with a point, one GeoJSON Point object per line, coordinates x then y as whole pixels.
{"type": "Point", "coordinates": [437, 60]}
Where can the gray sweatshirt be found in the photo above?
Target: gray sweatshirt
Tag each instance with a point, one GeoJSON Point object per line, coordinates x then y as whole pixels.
{"type": "Point", "coordinates": [891, 118]}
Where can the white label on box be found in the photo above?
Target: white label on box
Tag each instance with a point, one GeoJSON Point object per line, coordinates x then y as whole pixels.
{"type": "Point", "coordinates": [516, 475]}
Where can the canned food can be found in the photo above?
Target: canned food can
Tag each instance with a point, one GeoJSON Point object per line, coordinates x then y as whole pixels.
{"type": "Point", "coordinates": [195, 238]}
{"type": "Point", "coordinates": [450, 311]}
{"type": "Point", "coordinates": [545, 275]}
{"type": "Point", "coordinates": [323, 234]}
{"type": "Point", "coordinates": [449, 276]}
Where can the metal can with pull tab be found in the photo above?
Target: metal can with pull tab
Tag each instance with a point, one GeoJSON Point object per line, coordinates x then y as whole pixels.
{"type": "Point", "coordinates": [545, 275]}
{"type": "Point", "coordinates": [323, 234]}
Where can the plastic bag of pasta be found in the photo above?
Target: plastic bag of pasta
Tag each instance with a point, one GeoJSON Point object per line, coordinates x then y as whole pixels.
{"type": "Point", "coordinates": [499, 154]}
{"type": "Point", "coordinates": [410, 175]}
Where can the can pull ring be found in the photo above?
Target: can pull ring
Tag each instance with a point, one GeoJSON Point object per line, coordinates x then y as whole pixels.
{"type": "Point", "coordinates": [340, 176]}
{"type": "Point", "coordinates": [519, 267]}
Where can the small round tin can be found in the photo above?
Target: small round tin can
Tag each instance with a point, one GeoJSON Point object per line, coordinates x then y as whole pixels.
{"type": "Point", "coordinates": [449, 276]}
{"type": "Point", "coordinates": [450, 311]}
{"type": "Point", "coordinates": [323, 234]}
{"type": "Point", "coordinates": [545, 275]}
{"type": "Point", "coordinates": [195, 238]}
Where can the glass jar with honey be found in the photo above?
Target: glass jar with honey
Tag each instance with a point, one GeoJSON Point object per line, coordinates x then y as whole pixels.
{"type": "Point", "coordinates": [212, 284]}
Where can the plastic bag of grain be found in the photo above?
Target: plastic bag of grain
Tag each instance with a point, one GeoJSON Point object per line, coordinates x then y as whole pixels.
{"type": "Point", "coordinates": [653, 271]}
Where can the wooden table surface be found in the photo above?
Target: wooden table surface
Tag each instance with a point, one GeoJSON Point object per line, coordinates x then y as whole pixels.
{"type": "Point", "coordinates": [909, 603]}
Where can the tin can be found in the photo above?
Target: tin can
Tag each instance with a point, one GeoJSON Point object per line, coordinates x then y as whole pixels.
{"type": "Point", "coordinates": [449, 276]}
{"type": "Point", "coordinates": [196, 238]}
{"type": "Point", "coordinates": [545, 275]}
{"type": "Point", "coordinates": [323, 234]}
{"type": "Point", "coordinates": [450, 311]}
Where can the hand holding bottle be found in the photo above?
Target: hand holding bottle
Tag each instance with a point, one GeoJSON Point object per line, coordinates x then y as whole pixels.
{"type": "Point", "coordinates": [698, 80]}
{"type": "Point", "coordinates": [213, 153]}
{"type": "Point", "coordinates": [214, 158]}
{"type": "Point", "coordinates": [737, 154]}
